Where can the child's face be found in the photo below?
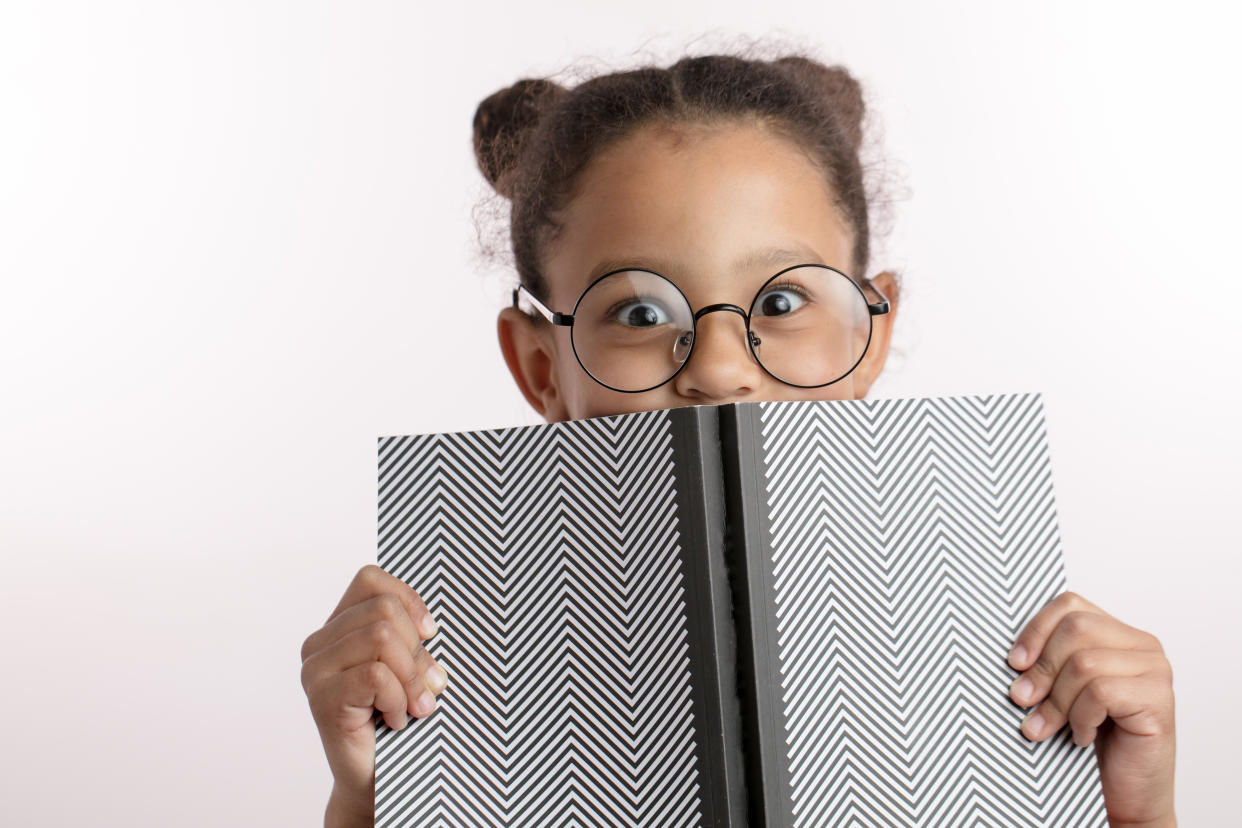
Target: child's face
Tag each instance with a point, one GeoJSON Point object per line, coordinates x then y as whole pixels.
{"type": "Point", "coordinates": [687, 206]}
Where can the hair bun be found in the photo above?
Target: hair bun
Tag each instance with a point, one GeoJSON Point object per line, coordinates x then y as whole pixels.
{"type": "Point", "coordinates": [838, 86]}
{"type": "Point", "coordinates": [502, 122]}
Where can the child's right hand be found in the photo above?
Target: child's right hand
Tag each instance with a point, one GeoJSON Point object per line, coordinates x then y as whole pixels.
{"type": "Point", "coordinates": [368, 656]}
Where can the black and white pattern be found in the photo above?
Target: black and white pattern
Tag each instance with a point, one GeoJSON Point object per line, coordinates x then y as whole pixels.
{"type": "Point", "coordinates": [550, 557]}
{"type": "Point", "coordinates": [911, 540]}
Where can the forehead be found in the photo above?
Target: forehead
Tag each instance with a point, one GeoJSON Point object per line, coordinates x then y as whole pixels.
{"type": "Point", "coordinates": [711, 209]}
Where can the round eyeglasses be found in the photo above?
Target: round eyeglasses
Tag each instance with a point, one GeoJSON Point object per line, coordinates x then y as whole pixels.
{"type": "Point", "coordinates": [633, 330]}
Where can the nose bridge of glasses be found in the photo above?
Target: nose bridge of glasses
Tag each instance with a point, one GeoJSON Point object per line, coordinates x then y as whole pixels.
{"type": "Point", "coordinates": [723, 306]}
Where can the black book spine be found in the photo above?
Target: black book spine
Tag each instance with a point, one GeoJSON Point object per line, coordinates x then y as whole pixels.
{"type": "Point", "coordinates": [702, 518]}
{"type": "Point", "coordinates": [758, 674]}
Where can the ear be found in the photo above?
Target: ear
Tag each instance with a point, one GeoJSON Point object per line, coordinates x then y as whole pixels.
{"type": "Point", "coordinates": [881, 332]}
{"type": "Point", "coordinates": [530, 354]}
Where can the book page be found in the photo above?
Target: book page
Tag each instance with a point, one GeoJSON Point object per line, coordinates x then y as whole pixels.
{"type": "Point", "coordinates": [908, 541]}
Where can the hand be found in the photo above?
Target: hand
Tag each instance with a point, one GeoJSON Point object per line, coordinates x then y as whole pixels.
{"type": "Point", "coordinates": [368, 656]}
{"type": "Point", "coordinates": [1108, 681]}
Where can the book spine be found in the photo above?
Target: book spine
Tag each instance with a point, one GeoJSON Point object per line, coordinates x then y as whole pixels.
{"type": "Point", "coordinates": [749, 566]}
{"type": "Point", "coordinates": [713, 662]}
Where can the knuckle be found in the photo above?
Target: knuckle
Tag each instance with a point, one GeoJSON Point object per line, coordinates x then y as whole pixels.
{"type": "Point", "coordinates": [1083, 663]}
{"type": "Point", "coordinates": [381, 634]}
{"type": "Point", "coordinates": [370, 574]}
{"type": "Point", "coordinates": [1068, 600]}
{"type": "Point", "coordinates": [374, 675]}
{"type": "Point", "coordinates": [1164, 671]}
{"type": "Point", "coordinates": [1166, 694]}
{"type": "Point", "coordinates": [1077, 623]}
{"type": "Point", "coordinates": [1098, 691]}
{"type": "Point", "coordinates": [308, 678]}
{"type": "Point", "coordinates": [308, 646]}
{"type": "Point", "coordinates": [390, 606]}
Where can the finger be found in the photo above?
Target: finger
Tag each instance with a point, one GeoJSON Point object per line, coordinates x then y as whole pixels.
{"type": "Point", "coordinates": [1082, 668]}
{"type": "Point", "coordinates": [383, 607]}
{"type": "Point", "coordinates": [1134, 705]}
{"type": "Point", "coordinates": [1037, 631]}
{"type": "Point", "coordinates": [1075, 632]}
{"type": "Point", "coordinates": [370, 686]}
{"type": "Point", "coordinates": [375, 642]}
{"type": "Point", "coordinates": [371, 581]}
{"type": "Point", "coordinates": [372, 616]}
{"type": "Point", "coordinates": [1132, 702]}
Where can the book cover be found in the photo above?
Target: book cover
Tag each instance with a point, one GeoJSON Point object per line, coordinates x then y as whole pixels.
{"type": "Point", "coordinates": [778, 613]}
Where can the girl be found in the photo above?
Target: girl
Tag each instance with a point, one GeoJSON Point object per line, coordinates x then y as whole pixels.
{"type": "Point", "coordinates": [715, 173]}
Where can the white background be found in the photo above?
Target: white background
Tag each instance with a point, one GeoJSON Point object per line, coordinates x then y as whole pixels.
{"type": "Point", "coordinates": [236, 246]}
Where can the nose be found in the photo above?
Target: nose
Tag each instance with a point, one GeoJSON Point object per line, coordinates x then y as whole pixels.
{"type": "Point", "coordinates": [721, 366]}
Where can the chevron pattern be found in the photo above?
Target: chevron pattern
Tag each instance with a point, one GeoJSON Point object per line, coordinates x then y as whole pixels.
{"type": "Point", "coordinates": [550, 557]}
{"type": "Point", "coordinates": [911, 540]}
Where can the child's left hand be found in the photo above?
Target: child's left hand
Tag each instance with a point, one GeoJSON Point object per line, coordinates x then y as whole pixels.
{"type": "Point", "coordinates": [1087, 667]}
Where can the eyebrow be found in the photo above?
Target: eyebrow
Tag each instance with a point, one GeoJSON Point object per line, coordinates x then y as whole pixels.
{"type": "Point", "coordinates": [769, 256]}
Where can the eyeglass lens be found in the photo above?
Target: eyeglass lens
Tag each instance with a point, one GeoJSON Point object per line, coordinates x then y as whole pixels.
{"type": "Point", "coordinates": [634, 329]}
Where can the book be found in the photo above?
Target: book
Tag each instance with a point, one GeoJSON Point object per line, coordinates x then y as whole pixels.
{"type": "Point", "coordinates": [789, 613]}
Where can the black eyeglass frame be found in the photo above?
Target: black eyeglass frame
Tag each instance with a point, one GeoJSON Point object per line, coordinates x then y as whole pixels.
{"type": "Point", "coordinates": [567, 320]}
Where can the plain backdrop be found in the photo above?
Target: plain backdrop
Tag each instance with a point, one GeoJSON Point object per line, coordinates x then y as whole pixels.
{"type": "Point", "coordinates": [238, 243]}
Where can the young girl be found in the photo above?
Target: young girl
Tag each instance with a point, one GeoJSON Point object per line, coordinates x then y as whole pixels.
{"type": "Point", "coordinates": [708, 179]}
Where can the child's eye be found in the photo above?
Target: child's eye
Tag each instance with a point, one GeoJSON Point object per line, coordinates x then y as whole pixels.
{"type": "Point", "coordinates": [640, 314]}
{"type": "Point", "coordinates": [780, 301]}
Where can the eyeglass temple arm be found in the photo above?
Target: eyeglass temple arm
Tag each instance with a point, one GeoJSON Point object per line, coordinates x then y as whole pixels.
{"type": "Point", "coordinates": [566, 319]}
{"type": "Point", "coordinates": [877, 308]}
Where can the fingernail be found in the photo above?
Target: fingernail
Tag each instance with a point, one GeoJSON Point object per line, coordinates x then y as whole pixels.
{"type": "Point", "coordinates": [427, 626]}
{"type": "Point", "coordinates": [1021, 689]}
{"type": "Point", "coordinates": [1017, 657]}
{"type": "Point", "coordinates": [1033, 724]}
{"type": "Point", "coordinates": [402, 722]}
{"type": "Point", "coordinates": [425, 704]}
{"type": "Point", "coordinates": [436, 678]}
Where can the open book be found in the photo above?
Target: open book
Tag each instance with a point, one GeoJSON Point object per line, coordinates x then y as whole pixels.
{"type": "Point", "coordinates": [763, 614]}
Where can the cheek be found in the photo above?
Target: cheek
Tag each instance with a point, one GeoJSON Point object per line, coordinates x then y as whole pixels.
{"type": "Point", "coordinates": [583, 396]}
{"type": "Point", "coordinates": [842, 390]}
{"type": "Point", "coordinates": [594, 400]}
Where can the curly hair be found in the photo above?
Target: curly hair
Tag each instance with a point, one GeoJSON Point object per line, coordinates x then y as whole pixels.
{"type": "Point", "coordinates": [534, 139]}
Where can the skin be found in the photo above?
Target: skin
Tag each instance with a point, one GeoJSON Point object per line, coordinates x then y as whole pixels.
{"type": "Point", "coordinates": [688, 204]}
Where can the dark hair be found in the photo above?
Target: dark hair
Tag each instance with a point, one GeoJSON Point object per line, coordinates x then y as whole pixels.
{"type": "Point", "coordinates": [533, 140]}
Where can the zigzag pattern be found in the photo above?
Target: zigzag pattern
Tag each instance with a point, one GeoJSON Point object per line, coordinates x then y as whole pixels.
{"type": "Point", "coordinates": [550, 557]}
{"type": "Point", "coordinates": [910, 542]}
